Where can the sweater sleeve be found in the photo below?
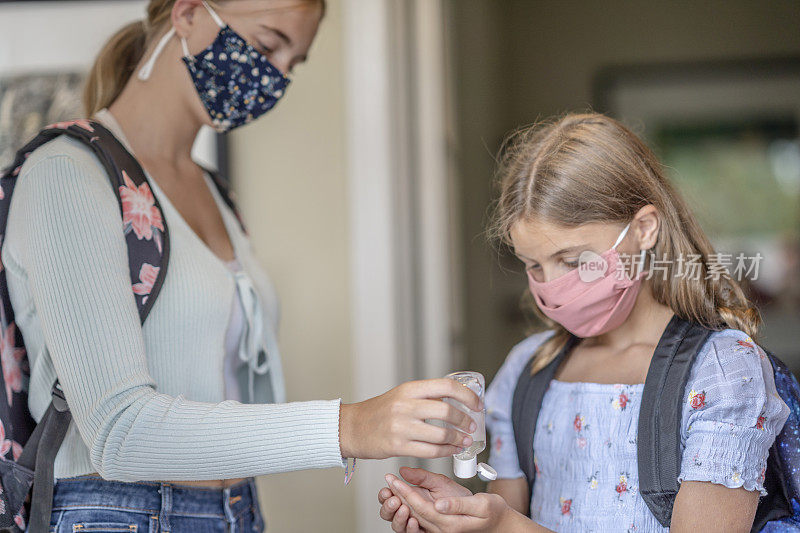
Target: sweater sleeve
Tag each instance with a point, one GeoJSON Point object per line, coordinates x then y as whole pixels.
{"type": "Point", "coordinates": [75, 259]}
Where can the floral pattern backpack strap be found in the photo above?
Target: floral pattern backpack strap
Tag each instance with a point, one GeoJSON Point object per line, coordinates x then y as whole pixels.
{"type": "Point", "coordinates": [148, 253]}
{"type": "Point", "coordinates": [143, 220]}
{"type": "Point", "coordinates": [145, 226]}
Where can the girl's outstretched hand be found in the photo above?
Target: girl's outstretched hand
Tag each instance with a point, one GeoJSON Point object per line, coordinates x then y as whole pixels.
{"type": "Point", "coordinates": [456, 514]}
{"type": "Point", "coordinates": [393, 424]}
{"type": "Point", "coordinates": [429, 486]}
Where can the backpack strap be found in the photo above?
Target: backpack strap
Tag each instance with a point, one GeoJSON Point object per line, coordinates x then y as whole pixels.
{"type": "Point", "coordinates": [224, 190]}
{"type": "Point", "coordinates": [39, 455]}
{"type": "Point", "coordinates": [147, 239]}
{"type": "Point", "coordinates": [660, 415]}
{"type": "Point", "coordinates": [147, 236]}
{"type": "Point", "coordinates": [781, 479]}
{"type": "Point", "coordinates": [777, 503]}
{"type": "Point", "coordinates": [525, 407]}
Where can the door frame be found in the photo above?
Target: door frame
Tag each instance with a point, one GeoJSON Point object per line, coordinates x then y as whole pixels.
{"type": "Point", "coordinates": [401, 193]}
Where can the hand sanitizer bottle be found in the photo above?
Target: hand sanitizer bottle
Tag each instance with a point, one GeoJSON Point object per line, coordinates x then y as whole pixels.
{"type": "Point", "coordinates": [465, 463]}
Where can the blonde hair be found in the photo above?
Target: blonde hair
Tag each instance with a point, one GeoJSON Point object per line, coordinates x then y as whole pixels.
{"type": "Point", "coordinates": [121, 54]}
{"type": "Point", "coordinates": [585, 168]}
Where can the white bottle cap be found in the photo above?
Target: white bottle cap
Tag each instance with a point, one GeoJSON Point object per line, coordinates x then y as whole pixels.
{"type": "Point", "coordinates": [486, 472]}
{"type": "Point", "coordinates": [465, 468]}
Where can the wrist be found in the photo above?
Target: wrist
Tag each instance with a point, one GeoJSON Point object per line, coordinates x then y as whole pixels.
{"type": "Point", "coordinates": [509, 519]}
{"type": "Point", "coordinates": [346, 417]}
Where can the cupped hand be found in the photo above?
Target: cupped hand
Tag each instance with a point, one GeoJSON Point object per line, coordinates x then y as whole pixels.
{"type": "Point", "coordinates": [429, 486]}
{"type": "Point", "coordinates": [451, 514]}
{"type": "Point", "coordinates": [393, 424]}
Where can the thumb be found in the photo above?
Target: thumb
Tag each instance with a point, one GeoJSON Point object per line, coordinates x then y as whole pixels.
{"type": "Point", "coordinates": [458, 506]}
{"type": "Point", "coordinates": [423, 478]}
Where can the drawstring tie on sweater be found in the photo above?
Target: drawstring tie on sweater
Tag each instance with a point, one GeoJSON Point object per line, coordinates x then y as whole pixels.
{"type": "Point", "coordinates": [253, 349]}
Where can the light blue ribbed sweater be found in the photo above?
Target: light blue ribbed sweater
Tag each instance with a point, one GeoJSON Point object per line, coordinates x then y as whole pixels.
{"type": "Point", "coordinates": [147, 401]}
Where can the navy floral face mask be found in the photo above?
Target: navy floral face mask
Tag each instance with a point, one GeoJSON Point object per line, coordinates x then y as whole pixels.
{"type": "Point", "coordinates": [236, 82]}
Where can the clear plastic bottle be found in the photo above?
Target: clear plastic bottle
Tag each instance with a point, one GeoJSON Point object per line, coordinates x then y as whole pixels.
{"type": "Point", "coordinates": [465, 463]}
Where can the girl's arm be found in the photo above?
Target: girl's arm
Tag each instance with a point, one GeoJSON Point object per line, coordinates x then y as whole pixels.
{"type": "Point", "coordinates": [65, 239]}
{"type": "Point", "coordinates": [514, 491]}
{"type": "Point", "coordinates": [731, 416]}
{"type": "Point", "coordinates": [702, 506]}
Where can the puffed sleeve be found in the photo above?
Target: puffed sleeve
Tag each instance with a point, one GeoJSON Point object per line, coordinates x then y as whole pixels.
{"type": "Point", "coordinates": [732, 413]}
{"type": "Point", "coordinates": [499, 396]}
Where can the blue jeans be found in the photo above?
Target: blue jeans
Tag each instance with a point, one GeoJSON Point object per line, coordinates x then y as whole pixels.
{"type": "Point", "coordinates": [88, 504]}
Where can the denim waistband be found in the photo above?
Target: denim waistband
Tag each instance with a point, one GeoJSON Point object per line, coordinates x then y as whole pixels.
{"type": "Point", "coordinates": [153, 497]}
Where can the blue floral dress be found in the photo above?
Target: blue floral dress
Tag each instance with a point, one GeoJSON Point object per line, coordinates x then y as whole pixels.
{"type": "Point", "coordinates": [585, 442]}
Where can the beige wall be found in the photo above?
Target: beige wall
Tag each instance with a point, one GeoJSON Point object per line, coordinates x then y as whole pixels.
{"type": "Point", "coordinates": [289, 174]}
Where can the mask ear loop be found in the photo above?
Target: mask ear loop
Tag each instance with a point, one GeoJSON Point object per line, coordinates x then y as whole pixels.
{"type": "Point", "coordinates": [214, 15]}
{"type": "Point", "coordinates": [147, 68]}
{"type": "Point", "coordinates": [642, 258]}
{"type": "Point", "coordinates": [185, 47]}
{"type": "Point", "coordinates": [622, 235]}
{"type": "Point", "coordinates": [642, 255]}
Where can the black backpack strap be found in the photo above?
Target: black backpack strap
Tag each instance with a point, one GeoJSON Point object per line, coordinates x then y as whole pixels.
{"type": "Point", "coordinates": [228, 196]}
{"type": "Point", "coordinates": [127, 178]}
{"type": "Point", "coordinates": [777, 503]}
{"type": "Point", "coordinates": [526, 404]}
{"type": "Point", "coordinates": [54, 427]}
{"type": "Point", "coordinates": [780, 477]}
{"type": "Point", "coordinates": [660, 416]}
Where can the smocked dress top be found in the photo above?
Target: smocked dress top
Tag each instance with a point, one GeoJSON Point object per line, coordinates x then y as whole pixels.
{"type": "Point", "coordinates": [585, 443]}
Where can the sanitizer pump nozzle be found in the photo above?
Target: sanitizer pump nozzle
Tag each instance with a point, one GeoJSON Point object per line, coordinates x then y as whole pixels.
{"type": "Point", "coordinates": [465, 463]}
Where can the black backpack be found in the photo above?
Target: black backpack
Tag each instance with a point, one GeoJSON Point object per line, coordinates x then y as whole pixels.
{"type": "Point", "coordinates": [28, 449]}
{"type": "Point", "coordinates": [658, 442]}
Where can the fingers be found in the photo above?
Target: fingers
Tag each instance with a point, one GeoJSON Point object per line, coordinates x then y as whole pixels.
{"type": "Point", "coordinates": [424, 432]}
{"type": "Point", "coordinates": [401, 519]}
{"type": "Point", "coordinates": [445, 388]}
{"type": "Point", "coordinates": [438, 410]}
{"type": "Point", "coordinates": [389, 508]}
{"type": "Point", "coordinates": [410, 497]}
{"type": "Point", "coordinates": [384, 494]}
{"type": "Point", "coordinates": [413, 526]}
{"type": "Point", "coordinates": [423, 478]}
{"type": "Point", "coordinates": [425, 450]}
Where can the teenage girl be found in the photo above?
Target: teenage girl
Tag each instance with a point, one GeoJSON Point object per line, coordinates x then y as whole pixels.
{"type": "Point", "coordinates": [173, 418]}
{"type": "Point", "coordinates": [587, 184]}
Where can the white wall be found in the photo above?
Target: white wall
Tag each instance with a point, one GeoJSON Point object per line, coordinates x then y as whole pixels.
{"type": "Point", "coordinates": [67, 38]}
{"type": "Point", "coordinates": [34, 36]}
{"type": "Point", "coordinates": [289, 173]}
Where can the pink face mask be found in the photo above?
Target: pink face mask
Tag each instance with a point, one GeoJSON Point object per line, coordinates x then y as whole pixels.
{"type": "Point", "coordinates": [594, 298]}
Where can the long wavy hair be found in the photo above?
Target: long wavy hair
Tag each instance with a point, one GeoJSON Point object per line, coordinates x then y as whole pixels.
{"type": "Point", "coordinates": [584, 168]}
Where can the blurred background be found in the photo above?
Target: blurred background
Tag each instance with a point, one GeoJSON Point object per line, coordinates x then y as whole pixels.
{"type": "Point", "coordinates": [366, 190]}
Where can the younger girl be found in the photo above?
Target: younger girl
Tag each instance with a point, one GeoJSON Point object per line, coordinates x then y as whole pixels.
{"type": "Point", "coordinates": [586, 190]}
